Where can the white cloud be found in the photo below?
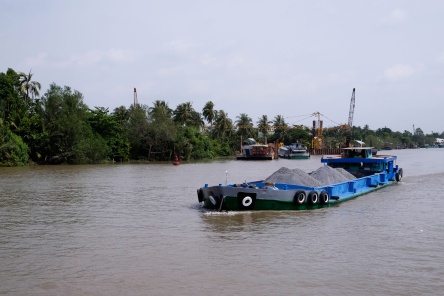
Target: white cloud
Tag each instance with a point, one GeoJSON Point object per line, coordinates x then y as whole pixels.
{"type": "Point", "coordinates": [178, 46]}
{"type": "Point", "coordinates": [120, 55]}
{"type": "Point", "coordinates": [297, 85]}
{"type": "Point", "coordinates": [96, 56]}
{"type": "Point", "coordinates": [84, 59]}
{"type": "Point", "coordinates": [397, 16]}
{"type": "Point", "coordinates": [236, 61]}
{"type": "Point", "coordinates": [80, 60]}
{"type": "Point", "coordinates": [207, 60]}
{"type": "Point", "coordinates": [441, 59]}
{"type": "Point", "coordinates": [33, 62]}
{"type": "Point", "coordinates": [399, 72]}
{"type": "Point", "coordinates": [340, 78]}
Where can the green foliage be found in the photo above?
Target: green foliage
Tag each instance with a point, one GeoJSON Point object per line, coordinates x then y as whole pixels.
{"type": "Point", "coordinates": [263, 125]}
{"type": "Point", "coordinates": [191, 144]}
{"type": "Point", "coordinates": [112, 132]}
{"type": "Point", "coordinates": [208, 112]}
{"type": "Point", "coordinates": [13, 151]}
{"type": "Point", "coordinates": [89, 148]}
{"type": "Point", "coordinates": [33, 132]}
{"type": "Point", "coordinates": [29, 89]}
{"type": "Point", "coordinates": [59, 128]}
{"type": "Point", "coordinates": [67, 136]}
{"type": "Point", "coordinates": [12, 107]}
{"type": "Point", "coordinates": [223, 127]}
{"type": "Point", "coordinates": [244, 126]}
{"type": "Point", "coordinates": [223, 149]}
{"type": "Point", "coordinates": [291, 135]}
{"type": "Point", "coordinates": [138, 132]}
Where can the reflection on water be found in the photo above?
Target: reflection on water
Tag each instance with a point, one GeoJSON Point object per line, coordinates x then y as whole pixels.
{"type": "Point", "coordinates": [139, 230]}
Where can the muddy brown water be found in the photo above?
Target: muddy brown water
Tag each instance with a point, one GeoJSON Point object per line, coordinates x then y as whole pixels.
{"type": "Point", "coordinates": [129, 229]}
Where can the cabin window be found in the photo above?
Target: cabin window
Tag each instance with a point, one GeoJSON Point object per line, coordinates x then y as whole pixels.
{"type": "Point", "coordinates": [373, 166]}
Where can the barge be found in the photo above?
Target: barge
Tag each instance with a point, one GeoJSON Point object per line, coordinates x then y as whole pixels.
{"type": "Point", "coordinates": [366, 173]}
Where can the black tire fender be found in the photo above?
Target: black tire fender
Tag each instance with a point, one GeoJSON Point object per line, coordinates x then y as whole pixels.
{"type": "Point", "coordinates": [324, 197]}
{"type": "Point", "coordinates": [214, 200]}
{"type": "Point", "coordinates": [200, 195]}
{"type": "Point", "coordinates": [313, 197]}
{"type": "Point", "coordinates": [246, 201]}
{"type": "Point", "coordinates": [399, 175]}
{"type": "Point", "coordinates": [300, 197]}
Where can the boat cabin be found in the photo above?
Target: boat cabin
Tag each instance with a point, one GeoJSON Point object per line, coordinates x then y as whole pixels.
{"type": "Point", "coordinates": [255, 151]}
{"type": "Point", "coordinates": [357, 152]}
{"type": "Point", "coordinates": [360, 161]}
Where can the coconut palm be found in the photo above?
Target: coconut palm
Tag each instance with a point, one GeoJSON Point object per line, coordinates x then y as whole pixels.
{"type": "Point", "coordinates": [183, 113]}
{"type": "Point", "coordinates": [280, 126]}
{"type": "Point", "coordinates": [279, 122]}
{"type": "Point", "coordinates": [208, 112]}
{"type": "Point", "coordinates": [196, 120]}
{"type": "Point", "coordinates": [263, 124]}
{"type": "Point", "coordinates": [121, 114]}
{"type": "Point", "coordinates": [223, 125]}
{"type": "Point", "coordinates": [160, 109]}
{"type": "Point", "coordinates": [244, 124]}
{"type": "Point", "coordinates": [29, 87]}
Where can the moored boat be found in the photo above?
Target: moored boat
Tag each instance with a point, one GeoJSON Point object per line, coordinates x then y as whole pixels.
{"type": "Point", "coordinates": [294, 151]}
{"type": "Point", "coordinates": [255, 151]}
{"type": "Point", "coordinates": [353, 173]}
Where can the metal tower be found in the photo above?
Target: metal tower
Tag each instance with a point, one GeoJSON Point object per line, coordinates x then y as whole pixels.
{"type": "Point", "coordinates": [350, 119]}
{"type": "Point", "coordinates": [136, 102]}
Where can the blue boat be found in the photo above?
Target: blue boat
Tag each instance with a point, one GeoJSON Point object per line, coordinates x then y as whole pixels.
{"type": "Point", "coordinates": [363, 171]}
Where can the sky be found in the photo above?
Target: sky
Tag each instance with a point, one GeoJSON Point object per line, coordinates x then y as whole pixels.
{"type": "Point", "coordinates": [291, 58]}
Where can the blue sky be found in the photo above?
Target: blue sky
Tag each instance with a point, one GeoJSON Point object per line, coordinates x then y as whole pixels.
{"type": "Point", "coordinates": [289, 58]}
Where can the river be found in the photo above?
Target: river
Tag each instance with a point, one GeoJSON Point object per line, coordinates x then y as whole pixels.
{"type": "Point", "coordinates": [137, 229]}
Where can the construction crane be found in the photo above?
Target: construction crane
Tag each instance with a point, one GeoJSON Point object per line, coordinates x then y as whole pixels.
{"type": "Point", "coordinates": [317, 138]}
{"type": "Point", "coordinates": [350, 120]}
{"type": "Point", "coordinates": [136, 102]}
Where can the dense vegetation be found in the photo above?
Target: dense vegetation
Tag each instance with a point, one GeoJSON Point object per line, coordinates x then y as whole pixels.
{"type": "Point", "coordinates": [58, 127]}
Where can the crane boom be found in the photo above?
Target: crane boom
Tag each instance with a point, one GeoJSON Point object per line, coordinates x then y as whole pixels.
{"type": "Point", "coordinates": [352, 110]}
{"type": "Point", "coordinates": [350, 120]}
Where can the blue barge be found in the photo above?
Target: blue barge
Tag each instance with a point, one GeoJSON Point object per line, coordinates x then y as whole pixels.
{"type": "Point", "coordinates": [370, 172]}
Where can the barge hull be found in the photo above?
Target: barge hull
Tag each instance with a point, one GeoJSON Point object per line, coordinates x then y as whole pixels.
{"type": "Point", "coordinates": [256, 196]}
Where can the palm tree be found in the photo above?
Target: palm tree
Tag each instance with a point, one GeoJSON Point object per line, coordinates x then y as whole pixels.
{"type": "Point", "coordinates": [279, 122]}
{"type": "Point", "coordinates": [121, 114]}
{"type": "Point", "coordinates": [263, 124]}
{"type": "Point", "coordinates": [223, 125]}
{"type": "Point", "coordinates": [196, 120]}
{"type": "Point", "coordinates": [29, 87]}
{"type": "Point", "coordinates": [244, 124]}
{"type": "Point", "coordinates": [160, 109]}
{"type": "Point", "coordinates": [183, 113]}
{"type": "Point", "coordinates": [208, 112]}
{"type": "Point", "coordinates": [280, 126]}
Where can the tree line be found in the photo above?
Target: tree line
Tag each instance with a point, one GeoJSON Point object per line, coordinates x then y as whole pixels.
{"type": "Point", "coordinates": [57, 127]}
